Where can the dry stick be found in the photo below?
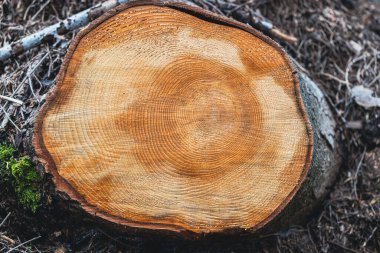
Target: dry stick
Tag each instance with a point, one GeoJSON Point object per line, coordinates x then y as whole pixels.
{"type": "Point", "coordinates": [76, 21]}
{"type": "Point", "coordinates": [279, 34]}
{"type": "Point", "coordinates": [357, 173]}
{"type": "Point", "coordinates": [38, 12]}
{"type": "Point", "coordinates": [27, 77]}
{"type": "Point", "coordinates": [84, 17]}
{"type": "Point", "coordinates": [17, 101]}
{"type": "Point", "coordinates": [12, 249]}
{"type": "Point", "coordinates": [6, 217]}
{"type": "Point", "coordinates": [369, 238]}
{"type": "Point", "coordinates": [343, 247]}
{"type": "Point", "coordinates": [8, 239]}
{"type": "Point", "coordinates": [9, 119]}
{"type": "Point", "coordinates": [257, 21]}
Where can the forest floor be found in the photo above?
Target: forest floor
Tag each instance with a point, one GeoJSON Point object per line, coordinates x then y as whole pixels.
{"type": "Point", "coordinates": [338, 43]}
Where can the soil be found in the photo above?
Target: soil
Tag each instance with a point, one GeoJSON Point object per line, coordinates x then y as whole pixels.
{"type": "Point", "coordinates": [338, 44]}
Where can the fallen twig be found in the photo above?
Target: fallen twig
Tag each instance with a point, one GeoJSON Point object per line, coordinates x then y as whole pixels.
{"type": "Point", "coordinates": [5, 219]}
{"type": "Point", "coordinates": [9, 240]}
{"type": "Point", "coordinates": [277, 32]}
{"type": "Point", "coordinates": [21, 244]}
{"type": "Point", "coordinates": [357, 173]}
{"type": "Point", "coordinates": [9, 119]}
{"type": "Point", "coordinates": [52, 32]}
{"type": "Point", "coordinates": [17, 101]}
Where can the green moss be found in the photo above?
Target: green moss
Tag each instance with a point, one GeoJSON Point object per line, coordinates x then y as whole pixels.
{"type": "Point", "coordinates": [6, 152]}
{"type": "Point", "coordinates": [29, 197]}
{"type": "Point", "coordinates": [6, 159]}
{"type": "Point", "coordinates": [22, 170]}
{"type": "Point", "coordinates": [22, 175]}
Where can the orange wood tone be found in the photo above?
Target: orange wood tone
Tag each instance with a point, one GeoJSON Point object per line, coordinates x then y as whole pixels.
{"type": "Point", "coordinates": [170, 117]}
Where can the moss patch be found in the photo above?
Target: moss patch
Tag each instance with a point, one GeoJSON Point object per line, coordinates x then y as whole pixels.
{"type": "Point", "coordinates": [22, 176]}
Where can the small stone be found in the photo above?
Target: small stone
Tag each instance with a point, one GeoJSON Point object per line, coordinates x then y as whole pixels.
{"type": "Point", "coordinates": [61, 250]}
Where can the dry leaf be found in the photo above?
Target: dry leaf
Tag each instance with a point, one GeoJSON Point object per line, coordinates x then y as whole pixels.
{"type": "Point", "coordinates": [363, 97]}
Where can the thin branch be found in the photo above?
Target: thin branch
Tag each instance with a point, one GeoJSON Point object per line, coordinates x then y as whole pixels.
{"type": "Point", "coordinates": [9, 118]}
{"type": "Point", "coordinates": [21, 244]}
{"type": "Point", "coordinates": [357, 172]}
{"type": "Point", "coordinates": [17, 101]}
{"type": "Point", "coordinates": [74, 22]}
{"type": "Point", "coordinates": [8, 239]}
{"type": "Point", "coordinates": [343, 247]}
{"type": "Point", "coordinates": [6, 217]}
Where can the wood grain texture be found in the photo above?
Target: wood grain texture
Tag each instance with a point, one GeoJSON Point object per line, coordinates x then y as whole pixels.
{"type": "Point", "coordinates": [169, 117]}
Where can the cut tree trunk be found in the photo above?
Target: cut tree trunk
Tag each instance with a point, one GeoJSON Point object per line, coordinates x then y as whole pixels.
{"type": "Point", "coordinates": [168, 117]}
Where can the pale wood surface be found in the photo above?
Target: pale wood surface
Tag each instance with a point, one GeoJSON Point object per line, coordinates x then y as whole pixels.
{"type": "Point", "coordinates": [165, 120]}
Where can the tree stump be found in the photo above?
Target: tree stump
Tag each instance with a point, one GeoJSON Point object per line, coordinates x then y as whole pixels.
{"type": "Point", "coordinates": [168, 117]}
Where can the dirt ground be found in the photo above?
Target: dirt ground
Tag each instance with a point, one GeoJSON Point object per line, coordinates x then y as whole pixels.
{"type": "Point", "coordinates": [338, 44]}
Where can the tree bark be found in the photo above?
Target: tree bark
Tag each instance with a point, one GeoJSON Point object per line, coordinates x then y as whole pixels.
{"type": "Point", "coordinates": [326, 162]}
